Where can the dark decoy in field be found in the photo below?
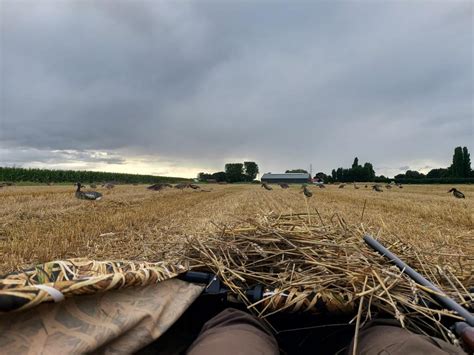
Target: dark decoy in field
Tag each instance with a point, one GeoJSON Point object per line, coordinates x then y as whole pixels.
{"type": "Point", "coordinates": [456, 193]}
{"type": "Point", "coordinates": [266, 186]}
{"type": "Point", "coordinates": [157, 187]}
{"type": "Point", "coordinates": [342, 186]}
{"type": "Point", "coordinates": [356, 187]}
{"type": "Point", "coordinates": [284, 186]}
{"type": "Point", "coordinates": [181, 186]}
{"type": "Point", "coordinates": [366, 186]}
{"type": "Point", "coordinates": [306, 192]}
{"type": "Point", "coordinates": [87, 195]}
{"type": "Point", "coordinates": [377, 188]}
{"type": "Point", "coordinates": [322, 186]}
{"type": "Point", "coordinates": [194, 187]}
{"type": "Point", "coordinates": [388, 186]}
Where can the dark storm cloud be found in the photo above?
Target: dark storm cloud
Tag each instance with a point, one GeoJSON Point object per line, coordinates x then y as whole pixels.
{"type": "Point", "coordinates": [286, 84]}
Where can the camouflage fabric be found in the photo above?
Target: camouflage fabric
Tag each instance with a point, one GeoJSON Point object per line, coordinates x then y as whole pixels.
{"type": "Point", "coordinates": [115, 322]}
{"type": "Point", "coordinates": [60, 279]}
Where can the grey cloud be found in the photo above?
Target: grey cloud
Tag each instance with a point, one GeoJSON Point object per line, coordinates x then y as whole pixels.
{"type": "Point", "coordinates": [404, 168]}
{"type": "Point", "coordinates": [21, 156]}
{"type": "Point", "coordinates": [287, 85]}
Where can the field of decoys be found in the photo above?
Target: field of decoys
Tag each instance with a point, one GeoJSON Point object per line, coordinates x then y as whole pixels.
{"type": "Point", "coordinates": [112, 220]}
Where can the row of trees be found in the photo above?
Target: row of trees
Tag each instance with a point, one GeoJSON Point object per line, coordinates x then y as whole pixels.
{"type": "Point", "coordinates": [234, 172]}
{"type": "Point", "coordinates": [355, 173]}
{"type": "Point", "coordinates": [459, 169]}
{"type": "Point", "coordinates": [57, 176]}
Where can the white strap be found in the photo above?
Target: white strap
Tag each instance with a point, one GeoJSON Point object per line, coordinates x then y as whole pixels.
{"type": "Point", "coordinates": [54, 293]}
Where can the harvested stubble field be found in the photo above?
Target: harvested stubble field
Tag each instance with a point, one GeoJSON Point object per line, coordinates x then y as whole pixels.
{"type": "Point", "coordinates": [43, 223]}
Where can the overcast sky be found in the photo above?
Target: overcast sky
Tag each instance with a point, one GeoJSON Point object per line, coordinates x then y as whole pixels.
{"type": "Point", "coordinates": [178, 87]}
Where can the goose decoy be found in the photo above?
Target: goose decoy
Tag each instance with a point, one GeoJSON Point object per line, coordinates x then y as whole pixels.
{"type": "Point", "coordinates": [456, 193]}
{"type": "Point", "coordinates": [366, 186]}
{"type": "Point", "coordinates": [356, 187]}
{"type": "Point", "coordinates": [156, 187]}
{"type": "Point", "coordinates": [388, 186]}
{"type": "Point", "coordinates": [284, 186]}
{"type": "Point", "coordinates": [342, 186]}
{"type": "Point", "coordinates": [193, 186]}
{"type": "Point", "coordinates": [321, 186]}
{"type": "Point", "coordinates": [306, 192]}
{"type": "Point", "coordinates": [93, 186]}
{"type": "Point", "coordinates": [377, 188]}
{"type": "Point", "coordinates": [87, 195]}
{"type": "Point", "coordinates": [266, 187]}
{"type": "Point", "coordinates": [180, 186]}
{"type": "Point", "coordinates": [108, 185]}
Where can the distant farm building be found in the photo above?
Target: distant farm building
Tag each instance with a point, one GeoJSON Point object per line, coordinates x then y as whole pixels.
{"type": "Point", "coordinates": [290, 178]}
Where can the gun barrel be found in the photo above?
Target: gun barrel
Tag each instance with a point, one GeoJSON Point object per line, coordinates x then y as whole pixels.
{"type": "Point", "coordinates": [444, 300]}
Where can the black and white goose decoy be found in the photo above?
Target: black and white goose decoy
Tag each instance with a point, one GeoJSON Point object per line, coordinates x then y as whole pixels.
{"type": "Point", "coordinates": [306, 192]}
{"type": "Point", "coordinates": [456, 193]}
{"type": "Point", "coordinates": [87, 195]}
{"type": "Point", "coordinates": [266, 187]}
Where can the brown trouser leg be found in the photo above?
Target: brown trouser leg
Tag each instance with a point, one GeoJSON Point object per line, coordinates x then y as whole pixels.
{"type": "Point", "coordinates": [387, 339]}
{"type": "Point", "coordinates": [234, 332]}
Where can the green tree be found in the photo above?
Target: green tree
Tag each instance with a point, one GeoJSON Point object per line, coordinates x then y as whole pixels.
{"type": "Point", "coordinates": [369, 172]}
{"type": "Point", "coordinates": [234, 172]}
{"type": "Point", "coordinates": [251, 170]}
{"type": "Point", "coordinates": [219, 176]}
{"type": "Point", "coordinates": [457, 168]}
{"type": "Point", "coordinates": [466, 162]}
{"type": "Point", "coordinates": [437, 173]}
{"type": "Point", "coordinates": [333, 174]}
{"type": "Point", "coordinates": [355, 164]}
{"type": "Point", "coordinates": [413, 174]}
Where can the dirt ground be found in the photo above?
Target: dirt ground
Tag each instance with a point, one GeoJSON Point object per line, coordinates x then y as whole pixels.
{"type": "Point", "coordinates": [43, 223]}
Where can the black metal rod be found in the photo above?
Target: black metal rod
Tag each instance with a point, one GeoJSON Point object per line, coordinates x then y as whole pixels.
{"type": "Point", "coordinates": [444, 300]}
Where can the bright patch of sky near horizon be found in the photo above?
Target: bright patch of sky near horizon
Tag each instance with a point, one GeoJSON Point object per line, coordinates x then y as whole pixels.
{"type": "Point", "coordinates": [174, 88]}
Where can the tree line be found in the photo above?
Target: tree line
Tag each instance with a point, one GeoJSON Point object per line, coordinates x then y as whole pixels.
{"type": "Point", "coordinates": [459, 171]}
{"type": "Point", "coordinates": [14, 174]}
{"type": "Point", "coordinates": [357, 173]}
{"type": "Point", "coordinates": [234, 172]}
